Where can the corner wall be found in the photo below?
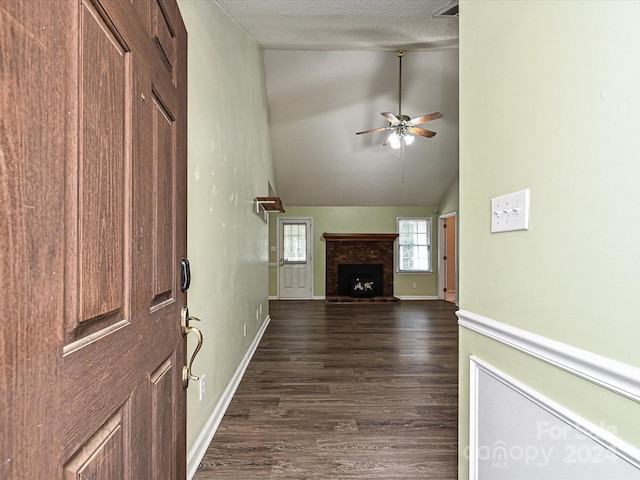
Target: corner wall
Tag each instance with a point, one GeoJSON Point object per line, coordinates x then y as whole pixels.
{"type": "Point", "coordinates": [557, 85]}
{"type": "Point", "coordinates": [451, 200]}
{"type": "Point", "coordinates": [229, 164]}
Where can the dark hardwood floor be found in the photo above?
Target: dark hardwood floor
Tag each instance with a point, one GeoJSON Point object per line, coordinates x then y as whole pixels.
{"type": "Point", "coordinates": [353, 391]}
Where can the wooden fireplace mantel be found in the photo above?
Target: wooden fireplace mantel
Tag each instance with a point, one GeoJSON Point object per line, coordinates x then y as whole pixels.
{"type": "Point", "coordinates": [360, 237]}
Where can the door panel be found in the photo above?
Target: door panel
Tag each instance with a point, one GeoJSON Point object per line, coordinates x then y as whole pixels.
{"type": "Point", "coordinates": [102, 455]}
{"type": "Point", "coordinates": [163, 395]}
{"type": "Point", "coordinates": [295, 276]}
{"type": "Point", "coordinates": [163, 159]}
{"type": "Point", "coordinates": [93, 210]}
{"type": "Point", "coordinates": [451, 258]}
{"type": "Point", "coordinates": [448, 260]}
{"type": "Point", "coordinates": [100, 172]}
{"type": "Point", "coordinates": [163, 33]}
{"type": "Point", "coordinates": [288, 277]}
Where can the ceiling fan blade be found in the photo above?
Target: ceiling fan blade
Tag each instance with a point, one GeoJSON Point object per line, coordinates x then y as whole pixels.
{"type": "Point", "coordinates": [381, 129]}
{"type": "Point", "coordinates": [421, 131]}
{"type": "Point", "coordinates": [391, 118]}
{"type": "Point", "coordinates": [425, 118]}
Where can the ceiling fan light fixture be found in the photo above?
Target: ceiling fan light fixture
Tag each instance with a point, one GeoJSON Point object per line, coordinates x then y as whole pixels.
{"type": "Point", "coordinates": [408, 139]}
{"type": "Point", "coordinates": [394, 140]}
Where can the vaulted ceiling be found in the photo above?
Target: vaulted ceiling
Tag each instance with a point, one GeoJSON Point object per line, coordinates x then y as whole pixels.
{"type": "Point", "coordinates": [331, 69]}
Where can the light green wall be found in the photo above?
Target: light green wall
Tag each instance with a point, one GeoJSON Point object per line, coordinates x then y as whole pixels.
{"type": "Point", "coordinates": [358, 220]}
{"type": "Point", "coordinates": [451, 199]}
{"type": "Point", "coordinates": [560, 109]}
{"type": "Point", "coordinates": [229, 163]}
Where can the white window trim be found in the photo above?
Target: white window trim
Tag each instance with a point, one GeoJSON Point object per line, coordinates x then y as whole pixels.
{"type": "Point", "coordinates": [398, 262]}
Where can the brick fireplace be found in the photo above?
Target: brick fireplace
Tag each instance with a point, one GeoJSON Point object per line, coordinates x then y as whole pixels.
{"type": "Point", "coordinates": [347, 251]}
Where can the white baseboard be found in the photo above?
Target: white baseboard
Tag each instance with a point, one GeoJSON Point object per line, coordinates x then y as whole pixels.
{"type": "Point", "coordinates": [204, 439]}
{"type": "Point", "coordinates": [618, 377]}
{"type": "Point", "coordinates": [417, 297]}
{"type": "Point", "coordinates": [399, 297]}
{"type": "Point", "coordinates": [315, 297]}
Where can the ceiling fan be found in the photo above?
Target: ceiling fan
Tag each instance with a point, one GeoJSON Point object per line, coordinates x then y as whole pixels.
{"type": "Point", "coordinates": [403, 128]}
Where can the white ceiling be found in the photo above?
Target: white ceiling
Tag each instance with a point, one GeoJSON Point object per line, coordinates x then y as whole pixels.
{"type": "Point", "coordinates": [331, 68]}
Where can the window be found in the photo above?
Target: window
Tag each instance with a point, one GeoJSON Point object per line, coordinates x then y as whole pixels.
{"type": "Point", "coordinates": [295, 242]}
{"type": "Point", "coordinates": [414, 244]}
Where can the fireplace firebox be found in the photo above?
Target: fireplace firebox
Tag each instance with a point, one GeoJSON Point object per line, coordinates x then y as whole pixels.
{"type": "Point", "coordinates": [360, 280]}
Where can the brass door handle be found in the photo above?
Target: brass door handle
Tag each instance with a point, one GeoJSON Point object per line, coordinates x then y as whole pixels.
{"type": "Point", "coordinates": [185, 318]}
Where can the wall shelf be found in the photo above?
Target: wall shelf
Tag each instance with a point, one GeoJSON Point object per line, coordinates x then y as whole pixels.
{"type": "Point", "coordinates": [268, 205]}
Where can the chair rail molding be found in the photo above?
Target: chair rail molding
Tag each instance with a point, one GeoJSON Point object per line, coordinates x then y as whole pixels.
{"type": "Point", "coordinates": [618, 377]}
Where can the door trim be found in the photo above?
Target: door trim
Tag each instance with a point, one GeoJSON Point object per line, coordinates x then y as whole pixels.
{"type": "Point", "coordinates": [310, 248]}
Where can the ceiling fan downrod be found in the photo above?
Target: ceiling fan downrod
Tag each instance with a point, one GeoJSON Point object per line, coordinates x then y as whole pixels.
{"type": "Point", "coordinates": [400, 54]}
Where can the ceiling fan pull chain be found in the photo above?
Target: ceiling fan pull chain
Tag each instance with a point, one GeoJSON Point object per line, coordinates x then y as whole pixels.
{"type": "Point", "coordinates": [401, 157]}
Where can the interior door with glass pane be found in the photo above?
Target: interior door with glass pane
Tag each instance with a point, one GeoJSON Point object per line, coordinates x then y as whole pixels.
{"type": "Point", "coordinates": [295, 272]}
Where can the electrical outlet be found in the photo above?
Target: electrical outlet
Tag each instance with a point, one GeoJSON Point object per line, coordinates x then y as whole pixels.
{"type": "Point", "coordinates": [245, 329]}
{"type": "Point", "coordinates": [510, 212]}
{"type": "Point", "coordinates": [202, 387]}
{"type": "Point", "coordinates": [414, 284]}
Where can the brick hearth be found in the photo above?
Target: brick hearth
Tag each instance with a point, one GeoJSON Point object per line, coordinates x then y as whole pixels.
{"type": "Point", "coordinates": [359, 248]}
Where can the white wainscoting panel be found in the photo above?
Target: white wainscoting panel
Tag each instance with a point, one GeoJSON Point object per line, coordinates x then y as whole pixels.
{"type": "Point", "coordinates": [517, 433]}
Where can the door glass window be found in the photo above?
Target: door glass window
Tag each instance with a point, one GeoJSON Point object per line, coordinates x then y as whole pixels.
{"type": "Point", "coordinates": [295, 242]}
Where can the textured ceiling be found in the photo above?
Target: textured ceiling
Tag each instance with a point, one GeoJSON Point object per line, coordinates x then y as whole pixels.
{"type": "Point", "coordinates": [344, 24]}
{"type": "Point", "coordinates": [331, 68]}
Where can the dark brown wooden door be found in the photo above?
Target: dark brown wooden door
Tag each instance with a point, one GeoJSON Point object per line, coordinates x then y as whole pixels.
{"type": "Point", "coordinates": [92, 229]}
